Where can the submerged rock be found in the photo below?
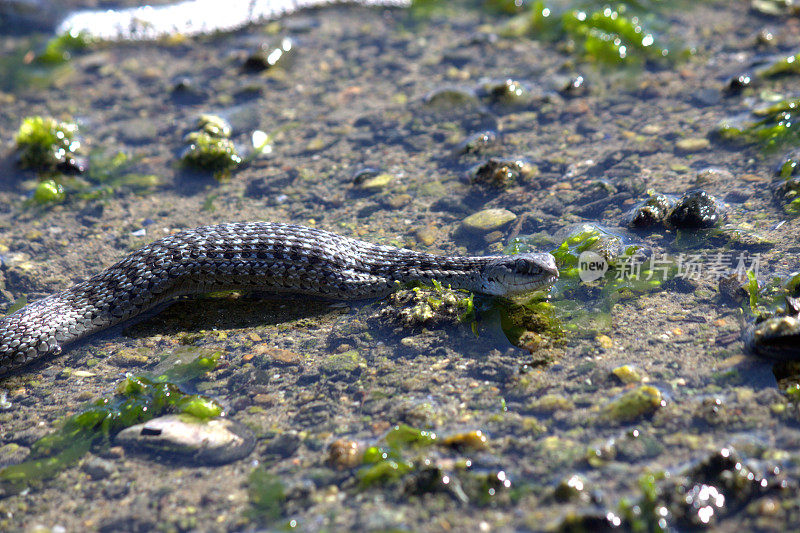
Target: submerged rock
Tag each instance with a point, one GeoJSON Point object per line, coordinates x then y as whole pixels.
{"type": "Point", "coordinates": [695, 210]}
{"type": "Point", "coordinates": [715, 487]}
{"type": "Point", "coordinates": [213, 442]}
{"type": "Point", "coordinates": [269, 55]}
{"type": "Point", "coordinates": [775, 338]}
{"type": "Point", "coordinates": [477, 142]}
{"type": "Point", "coordinates": [450, 98]}
{"type": "Point", "coordinates": [634, 404]}
{"type": "Point", "coordinates": [651, 212]}
{"type": "Point", "coordinates": [507, 92]}
{"type": "Point", "coordinates": [488, 220]}
{"type": "Point", "coordinates": [500, 173]}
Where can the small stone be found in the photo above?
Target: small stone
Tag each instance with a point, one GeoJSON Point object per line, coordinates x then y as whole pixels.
{"type": "Point", "coordinates": [284, 445]}
{"type": "Point", "coordinates": [488, 220]}
{"type": "Point", "coordinates": [12, 453]}
{"type": "Point", "coordinates": [570, 489]}
{"type": "Point", "coordinates": [471, 440]}
{"type": "Point", "coordinates": [477, 142]}
{"type": "Point", "coordinates": [604, 341]}
{"type": "Point", "coordinates": [279, 355]}
{"type": "Point", "coordinates": [98, 468]}
{"type": "Point", "coordinates": [734, 288]}
{"type": "Point", "coordinates": [507, 92]}
{"type": "Point", "coordinates": [396, 201]}
{"type": "Point", "coordinates": [693, 144]}
{"type": "Point", "coordinates": [713, 175]}
{"type": "Point", "coordinates": [343, 363]}
{"type": "Point", "coordinates": [269, 55]}
{"type": "Point", "coordinates": [776, 338]}
{"type": "Point", "coordinates": [127, 359]}
{"type": "Point", "coordinates": [501, 173]}
{"type": "Point", "coordinates": [451, 98]}
{"type": "Point", "coordinates": [375, 183]}
{"type": "Point", "coordinates": [651, 212]}
{"type": "Point", "coordinates": [213, 442]}
{"type": "Point", "coordinates": [426, 236]}
{"type": "Point", "coordinates": [627, 374]}
{"type": "Point", "coordinates": [345, 454]}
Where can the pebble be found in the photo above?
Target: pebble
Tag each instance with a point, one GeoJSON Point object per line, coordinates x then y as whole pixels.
{"type": "Point", "coordinates": [98, 468]}
{"type": "Point", "coordinates": [488, 220]}
{"type": "Point", "coordinates": [375, 183]}
{"type": "Point", "coordinates": [213, 442]}
{"type": "Point", "coordinates": [693, 144]}
{"type": "Point", "coordinates": [426, 236]}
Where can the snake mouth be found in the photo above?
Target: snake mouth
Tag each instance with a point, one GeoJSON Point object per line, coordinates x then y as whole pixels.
{"type": "Point", "coordinates": [524, 287]}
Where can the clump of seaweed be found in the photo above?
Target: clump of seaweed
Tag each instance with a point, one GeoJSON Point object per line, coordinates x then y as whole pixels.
{"type": "Point", "coordinates": [210, 148]}
{"type": "Point", "coordinates": [607, 35]}
{"type": "Point", "coordinates": [770, 126]}
{"type": "Point", "coordinates": [46, 144]}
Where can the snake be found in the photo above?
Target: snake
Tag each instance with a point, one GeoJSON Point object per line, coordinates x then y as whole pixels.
{"type": "Point", "coordinates": [256, 256]}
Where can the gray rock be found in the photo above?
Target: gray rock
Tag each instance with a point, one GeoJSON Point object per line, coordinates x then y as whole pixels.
{"type": "Point", "coordinates": [98, 468]}
{"type": "Point", "coordinates": [214, 442]}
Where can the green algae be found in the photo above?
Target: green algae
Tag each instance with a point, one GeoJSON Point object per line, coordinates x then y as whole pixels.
{"type": "Point", "coordinates": [632, 405]}
{"type": "Point", "coordinates": [137, 399]}
{"type": "Point", "coordinates": [392, 459]}
{"type": "Point", "coordinates": [647, 514]}
{"type": "Point", "coordinates": [607, 35]}
{"type": "Point", "coordinates": [266, 493]}
{"type": "Point", "coordinates": [109, 172]}
{"type": "Point", "coordinates": [44, 143]}
{"type": "Point", "coordinates": [382, 466]}
{"type": "Point", "coordinates": [61, 48]}
{"type": "Point", "coordinates": [207, 152]}
{"type": "Point", "coordinates": [785, 66]}
{"type": "Point", "coordinates": [48, 191]}
{"type": "Point", "coordinates": [769, 127]}
{"type": "Point", "coordinates": [50, 147]}
{"type": "Point", "coordinates": [574, 309]}
{"type": "Point", "coordinates": [210, 149]}
{"type": "Point", "coordinates": [769, 299]}
{"type": "Point", "coordinates": [402, 435]}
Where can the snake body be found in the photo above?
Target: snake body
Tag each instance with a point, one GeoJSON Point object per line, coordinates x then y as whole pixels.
{"type": "Point", "coordinates": [258, 256]}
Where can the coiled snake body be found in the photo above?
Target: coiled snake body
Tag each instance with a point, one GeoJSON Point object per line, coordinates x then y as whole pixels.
{"type": "Point", "coordinates": [259, 256]}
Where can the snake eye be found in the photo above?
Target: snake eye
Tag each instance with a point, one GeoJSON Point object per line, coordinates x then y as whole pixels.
{"type": "Point", "coordinates": [520, 265]}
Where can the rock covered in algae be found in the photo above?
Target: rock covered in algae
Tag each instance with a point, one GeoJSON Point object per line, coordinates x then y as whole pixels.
{"type": "Point", "coordinates": [636, 403]}
{"type": "Point", "coordinates": [214, 442]}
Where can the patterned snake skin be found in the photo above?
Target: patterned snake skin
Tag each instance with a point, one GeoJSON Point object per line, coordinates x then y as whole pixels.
{"type": "Point", "coordinates": [259, 256]}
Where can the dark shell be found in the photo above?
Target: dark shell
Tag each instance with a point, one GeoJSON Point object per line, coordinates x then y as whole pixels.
{"type": "Point", "coordinates": [697, 210]}
{"type": "Point", "coordinates": [651, 212]}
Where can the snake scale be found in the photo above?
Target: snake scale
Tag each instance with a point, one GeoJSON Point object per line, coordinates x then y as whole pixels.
{"type": "Point", "coordinates": [260, 256]}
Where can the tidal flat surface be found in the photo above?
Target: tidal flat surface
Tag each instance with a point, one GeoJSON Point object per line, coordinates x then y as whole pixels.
{"type": "Point", "coordinates": [610, 406]}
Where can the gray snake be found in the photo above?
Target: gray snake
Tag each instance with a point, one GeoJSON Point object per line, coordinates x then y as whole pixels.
{"type": "Point", "coordinates": [257, 256]}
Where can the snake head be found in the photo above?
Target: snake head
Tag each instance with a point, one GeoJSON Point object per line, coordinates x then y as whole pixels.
{"type": "Point", "coordinates": [509, 275]}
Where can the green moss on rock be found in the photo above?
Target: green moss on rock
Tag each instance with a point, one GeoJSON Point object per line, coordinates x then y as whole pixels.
{"type": "Point", "coordinates": [44, 143]}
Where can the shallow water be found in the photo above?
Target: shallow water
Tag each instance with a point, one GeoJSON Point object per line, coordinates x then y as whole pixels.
{"type": "Point", "coordinates": [363, 90]}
